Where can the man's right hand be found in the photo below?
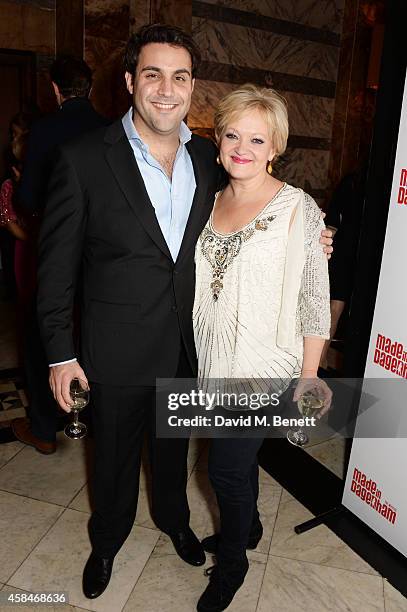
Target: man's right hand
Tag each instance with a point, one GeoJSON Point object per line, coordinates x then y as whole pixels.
{"type": "Point", "coordinates": [60, 377]}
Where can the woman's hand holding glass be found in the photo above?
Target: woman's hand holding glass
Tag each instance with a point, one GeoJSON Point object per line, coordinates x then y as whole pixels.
{"type": "Point", "coordinates": [314, 399]}
{"type": "Point", "coordinates": [318, 388]}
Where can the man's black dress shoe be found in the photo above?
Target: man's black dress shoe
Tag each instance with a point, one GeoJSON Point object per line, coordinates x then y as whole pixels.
{"type": "Point", "coordinates": [188, 547]}
{"type": "Point", "coordinates": [96, 575]}
{"type": "Point", "coordinates": [211, 543]}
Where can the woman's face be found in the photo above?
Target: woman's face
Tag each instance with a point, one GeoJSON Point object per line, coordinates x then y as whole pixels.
{"type": "Point", "coordinates": [16, 131]}
{"type": "Point", "coordinates": [246, 146]}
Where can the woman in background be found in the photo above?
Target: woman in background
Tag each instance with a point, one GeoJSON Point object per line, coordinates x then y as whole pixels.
{"type": "Point", "coordinates": [12, 218]}
{"type": "Point", "coordinates": [261, 310]}
{"type": "Point", "coordinates": [344, 219]}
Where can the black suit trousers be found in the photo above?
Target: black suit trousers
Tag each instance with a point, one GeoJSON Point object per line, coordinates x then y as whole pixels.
{"type": "Point", "coordinates": [42, 406]}
{"type": "Point", "coordinates": [121, 415]}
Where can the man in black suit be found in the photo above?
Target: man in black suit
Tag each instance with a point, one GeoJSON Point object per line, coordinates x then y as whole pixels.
{"type": "Point", "coordinates": [72, 81]}
{"type": "Point", "coordinates": [126, 206]}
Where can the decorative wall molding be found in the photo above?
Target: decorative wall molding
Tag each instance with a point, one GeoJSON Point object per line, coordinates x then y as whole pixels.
{"type": "Point", "coordinates": [226, 73]}
{"type": "Point", "coordinates": [47, 5]}
{"type": "Point", "coordinates": [262, 22]}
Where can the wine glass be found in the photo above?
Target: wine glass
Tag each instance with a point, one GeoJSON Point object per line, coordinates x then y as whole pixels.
{"type": "Point", "coordinates": [79, 392]}
{"type": "Point", "coordinates": [309, 404]}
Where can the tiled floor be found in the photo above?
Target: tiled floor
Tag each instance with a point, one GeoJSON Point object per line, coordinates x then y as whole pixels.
{"type": "Point", "coordinates": [13, 400]}
{"type": "Point", "coordinates": [43, 521]}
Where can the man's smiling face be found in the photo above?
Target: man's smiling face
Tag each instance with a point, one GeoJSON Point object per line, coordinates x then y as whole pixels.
{"type": "Point", "coordinates": [161, 88]}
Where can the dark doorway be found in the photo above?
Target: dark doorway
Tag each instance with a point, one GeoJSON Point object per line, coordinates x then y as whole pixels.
{"type": "Point", "coordinates": [18, 79]}
{"type": "Point", "coordinates": [18, 83]}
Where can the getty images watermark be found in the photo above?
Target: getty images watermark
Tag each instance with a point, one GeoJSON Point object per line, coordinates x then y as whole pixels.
{"type": "Point", "coordinates": [265, 408]}
{"type": "Point", "coordinates": [209, 401]}
{"type": "Point", "coordinates": [217, 413]}
{"type": "Point", "coordinates": [231, 401]}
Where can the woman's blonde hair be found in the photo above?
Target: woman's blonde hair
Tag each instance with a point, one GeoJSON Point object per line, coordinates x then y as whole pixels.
{"type": "Point", "coordinates": [250, 97]}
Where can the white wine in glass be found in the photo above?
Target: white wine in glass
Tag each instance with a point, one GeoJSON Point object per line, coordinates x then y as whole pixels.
{"type": "Point", "coordinates": [309, 405]}
{"type": "Point", "coordinates": [79, 403]}
{"type": "Point", "coordinates": [79, 392]}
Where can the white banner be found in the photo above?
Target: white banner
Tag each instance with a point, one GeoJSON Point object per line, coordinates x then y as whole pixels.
{"type": "Point", "coordinates": [375, 488]}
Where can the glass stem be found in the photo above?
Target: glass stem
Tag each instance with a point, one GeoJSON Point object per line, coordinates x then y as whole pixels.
{"type": "Point", "coordinates": [75, 418]}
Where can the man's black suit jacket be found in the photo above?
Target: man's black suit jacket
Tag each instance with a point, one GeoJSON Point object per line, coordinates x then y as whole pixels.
{"type": "Point", "coordinates": [100, 226]}
{"type": "Point", "coordinates": [75, 117]}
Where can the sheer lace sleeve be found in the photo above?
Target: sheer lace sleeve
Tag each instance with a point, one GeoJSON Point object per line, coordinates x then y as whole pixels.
{"type": "Point", "coordinates": [7, 212]}
{"type": "Point", "coordinates": [313, 313]}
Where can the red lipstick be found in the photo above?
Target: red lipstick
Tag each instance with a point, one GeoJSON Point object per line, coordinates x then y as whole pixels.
{"type": "Point", "coordinates": [240, 160]}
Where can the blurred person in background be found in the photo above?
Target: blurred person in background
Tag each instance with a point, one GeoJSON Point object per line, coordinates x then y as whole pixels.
{"type": "Point", "coordinates": [344, 219]}
{"type": "Point", "coordinates": [71, 80]}
{"type": "Point", "coordinates": [19, 127]}
{"type": "Point", "coordinates": [19, 224]}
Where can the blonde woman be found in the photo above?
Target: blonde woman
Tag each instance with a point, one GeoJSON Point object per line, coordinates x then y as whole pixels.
{"type": "Point", "coordinates": [261, 307]}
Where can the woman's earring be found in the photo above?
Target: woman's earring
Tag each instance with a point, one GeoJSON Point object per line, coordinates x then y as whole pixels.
{"type": "Point", "coordinates": [218, 160]}
{"type": "Point", "coordinates": [269, 168]}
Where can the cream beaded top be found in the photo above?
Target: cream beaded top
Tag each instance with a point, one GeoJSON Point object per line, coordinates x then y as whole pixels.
{"type": "Point", "coordinates": [259, 291]}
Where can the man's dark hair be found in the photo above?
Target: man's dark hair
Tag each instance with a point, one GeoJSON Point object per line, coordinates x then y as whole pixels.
{"type": "Point", "coordinates": [72, 75]}
{"type": "Point", "coordinates": [159, 33]}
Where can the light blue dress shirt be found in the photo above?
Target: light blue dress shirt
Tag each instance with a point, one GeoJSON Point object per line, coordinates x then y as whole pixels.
{"type": "Point", "coordinates": [172, 200]}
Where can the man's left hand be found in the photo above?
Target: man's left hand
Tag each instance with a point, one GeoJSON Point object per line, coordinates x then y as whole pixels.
{"type": "Point", "coordinates": [326, 240]}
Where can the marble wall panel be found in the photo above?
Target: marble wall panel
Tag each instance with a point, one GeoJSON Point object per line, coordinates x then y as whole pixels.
{"type": "Point", "coordinates": [69, 27]}
{"type": "Point", "coordinates": [139, 13]}
{"type": "Point", "coordinates": [324, 14]}
{"type": "Point", "coordinates": [308, 115]}
{"type": "Point", "coordinates": [305, 168]}
{"type": "Point", "coordinates": [107, 18]}
{"type": "Point", "coordinates": [27, 28]}
{"type": "Point", "coordinates": [249, 47]}
{"type": "Point", "coordinates": [175, 12]}
{"type": "Point", "coordinates": [105, 57]}
{"type": "Point", "coordinates": [204, 99]}
{"type": "Point", "coordinates": [107, 27]}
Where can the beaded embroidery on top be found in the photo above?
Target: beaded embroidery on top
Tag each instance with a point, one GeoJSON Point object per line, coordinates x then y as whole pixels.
{"type": "Point", "coordinates": [220, 251]}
